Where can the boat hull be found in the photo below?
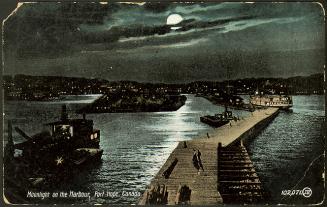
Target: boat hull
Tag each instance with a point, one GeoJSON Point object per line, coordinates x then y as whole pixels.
{"type": "Point", "coordinates": [212, 121]}
{"type": "Point", "coordinates": [283, 107]}
{"type": "Point", "coordinates": [92, 155]}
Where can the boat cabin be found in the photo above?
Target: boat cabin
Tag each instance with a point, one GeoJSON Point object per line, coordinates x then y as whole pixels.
{"type": "Point", "coordinates": [226, 115]}
{"type": "Point", "coordinates": [80, 130]}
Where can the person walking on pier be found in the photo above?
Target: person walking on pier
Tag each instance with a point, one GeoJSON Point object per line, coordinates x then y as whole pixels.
{"type": "Point", "coordinates": [199, 160]}
{"type": "Point", "coordinates": [195, 160]}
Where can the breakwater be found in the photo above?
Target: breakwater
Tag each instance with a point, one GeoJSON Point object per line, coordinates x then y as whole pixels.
{"type": "Point", "coordinates": [134, 102]}
{"type": "Point", "coordinates": [185, 183]}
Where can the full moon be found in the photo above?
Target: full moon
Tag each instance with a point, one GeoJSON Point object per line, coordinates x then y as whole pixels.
{"type": "Point", "coordinates": [174, 19]}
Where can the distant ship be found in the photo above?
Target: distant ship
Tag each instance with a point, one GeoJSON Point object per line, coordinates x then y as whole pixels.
{"type": "Point", "coordinates": [279, 101]}
{"type": "Point", "coordinates": [218, 120]}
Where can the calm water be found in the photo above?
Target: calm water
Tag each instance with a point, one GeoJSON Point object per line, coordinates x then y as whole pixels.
{"type": "Point", "coordinates": [137, 144]}
{"type": "Point", "coordinates": [282, 153]}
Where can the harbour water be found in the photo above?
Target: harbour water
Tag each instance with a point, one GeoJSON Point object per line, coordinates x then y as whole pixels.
{"type": "Point", "coordinates": [137, 144]}
{"type": "Point", "coordinates": [289, 153]}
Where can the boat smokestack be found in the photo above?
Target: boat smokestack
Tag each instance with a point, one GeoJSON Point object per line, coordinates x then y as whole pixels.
{"type": "Point", "coordinates": [64, 115]}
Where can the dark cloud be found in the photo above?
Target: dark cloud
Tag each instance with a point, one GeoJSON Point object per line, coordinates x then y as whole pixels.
{"type": "Point", "coordinates": [157, 6]}
{"type": "Point", "coordinates": [189, 24]}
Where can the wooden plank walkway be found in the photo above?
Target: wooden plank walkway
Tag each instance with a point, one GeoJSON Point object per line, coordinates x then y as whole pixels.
{"type": "Point", "coordinates": [203, 184]}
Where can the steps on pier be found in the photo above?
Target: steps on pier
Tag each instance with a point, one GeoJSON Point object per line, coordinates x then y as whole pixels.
{"type": "Point", "coordinates": [237, 179]}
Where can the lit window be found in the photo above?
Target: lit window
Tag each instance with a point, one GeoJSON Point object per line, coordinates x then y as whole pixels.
{"type": "Point", "coordinates": [95, 135]}
{"type": "Point", "coordinates": [92, 136]}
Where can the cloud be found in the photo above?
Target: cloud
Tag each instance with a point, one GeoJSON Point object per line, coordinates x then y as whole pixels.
{"type": "Point", "coordinates": [184, 28]}
{"type": "Point", "coordinates": [185, 44]}
{"type": "Point", "coordinates": [241, 25]}
{"type": "Point", "coordinates": [223, 17]}
{"type": "Point", "coordinates": [175, 45]}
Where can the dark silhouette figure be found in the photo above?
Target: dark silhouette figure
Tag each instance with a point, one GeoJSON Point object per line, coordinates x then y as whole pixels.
{"type": "Point", "coordinates": [199, 159]}
{"type": "Point", "coordinates": [197, 162]}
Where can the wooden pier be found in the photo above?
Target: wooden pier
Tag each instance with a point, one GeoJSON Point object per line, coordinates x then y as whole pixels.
{"type": "Point", "coordinates": [180, 182]}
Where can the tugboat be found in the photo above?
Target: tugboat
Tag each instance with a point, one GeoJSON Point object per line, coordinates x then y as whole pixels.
{"type": "Point", "coordinates": [280, 101]}
{"type": "Point", "coordinates": [218, 120]}
{"type": "Point", "coordinates": [54, 155]}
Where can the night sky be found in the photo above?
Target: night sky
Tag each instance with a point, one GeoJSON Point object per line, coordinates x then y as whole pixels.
{"type": "Point", "coordinates": [213, 41]}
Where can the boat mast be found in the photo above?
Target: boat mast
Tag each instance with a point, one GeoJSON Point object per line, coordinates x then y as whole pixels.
{"type": "Point", "coordinates": [64, 115]}
{"type": "Point", "coordinates": [228, 87]}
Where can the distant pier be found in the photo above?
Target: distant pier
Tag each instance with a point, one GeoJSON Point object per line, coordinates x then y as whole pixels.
{"type": "Point", "coordinates": [227, 176]}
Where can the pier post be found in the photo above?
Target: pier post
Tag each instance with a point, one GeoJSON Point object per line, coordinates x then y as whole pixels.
{"type": "Point", "coordinates": [218, 153]}
{"type": "Point", "coordinates": [219, 147]}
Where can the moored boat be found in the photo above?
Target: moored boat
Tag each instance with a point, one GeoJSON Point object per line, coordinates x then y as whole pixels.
{"type": "Point", "coordinates": [279, 101]}
{"type": "Point", "coordinates": [215, 121]}
{"type": "Point", "coordinates": [53, 155]}
{"type": "Point", "coordinates": [218, 120]}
